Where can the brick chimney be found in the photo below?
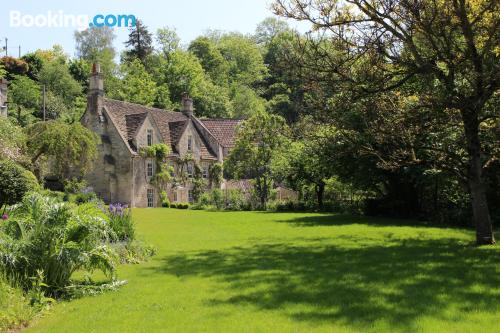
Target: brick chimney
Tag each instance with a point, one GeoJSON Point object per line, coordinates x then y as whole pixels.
{"type": "Point", "coordinates": [187, 105]}
{"type": "Point", "coordinates": [96, 92]}
{"type": "Point", "coordinates": [96, 83]}
{"type": "Point", "coordinates": [3, 97]}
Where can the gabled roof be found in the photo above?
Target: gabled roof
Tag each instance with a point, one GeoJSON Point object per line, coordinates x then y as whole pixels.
{"type": "Point", "coordinates": [133, 123]}
{"type": "Point", "coordinates": [176, 129]}
{"type": "Point", "coordinates": [224, 130]}
{"type": "Point", "coordinates": [129, 117]}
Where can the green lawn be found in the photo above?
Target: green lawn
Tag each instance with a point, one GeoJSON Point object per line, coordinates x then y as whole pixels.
{"type": "Point", "coordinates": [294, 272]}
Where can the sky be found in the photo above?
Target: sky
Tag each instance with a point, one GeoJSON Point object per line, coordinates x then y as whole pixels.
{"type": "Point", "coordinates": [190, 18]}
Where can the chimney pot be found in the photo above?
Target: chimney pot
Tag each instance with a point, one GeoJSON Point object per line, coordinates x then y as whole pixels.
{"type": "Point", "coordinates": [187, 105]}
{"type": "Point", "coordinates": [96, 84]}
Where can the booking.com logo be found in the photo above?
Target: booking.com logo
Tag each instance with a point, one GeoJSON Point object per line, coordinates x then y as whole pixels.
{"type": "Point", "coordinates": [59, 19]}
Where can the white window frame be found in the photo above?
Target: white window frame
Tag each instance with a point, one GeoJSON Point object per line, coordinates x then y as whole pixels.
{"type": "Point", "coordinates": [190, 170]}
{"type": "Point", "coordinates": [149, 169]}
{"type": "Point", "coordinates": [149, 137]}
{"type": "Point", "coordinates": [150, 195]}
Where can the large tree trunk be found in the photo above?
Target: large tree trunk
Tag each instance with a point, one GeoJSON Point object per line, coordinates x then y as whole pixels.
{"type": "Point", "coordinates": [482, 220]}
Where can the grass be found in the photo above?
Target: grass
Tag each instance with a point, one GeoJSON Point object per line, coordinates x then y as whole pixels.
{"type": "Point", "coordinates": [294, 272]}
{"type": "Point", "coordinates": [15, 310]}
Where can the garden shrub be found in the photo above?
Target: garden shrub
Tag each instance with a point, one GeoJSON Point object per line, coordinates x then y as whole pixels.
{"type": "Point", "coordinates": [74, 185]}
{"type": "Point", "coordinates": [164, 199]}
{"type": "Point", "coordinates": [235, 200]}
{"type": "Point", "coordinates": [217, 198]}
{"type": "Point", "coordinates": [120, 221]}
{"type": "Point", "coordinates": [84, 197]}
{"type": "Point", "coordinates": [15, 182]}
{"type": "Point", "coordinates": [51, 240]}
{"type": "Point", "coordinates": [134, 252]}
{"type": "Point", "coordinates": [182, 205]}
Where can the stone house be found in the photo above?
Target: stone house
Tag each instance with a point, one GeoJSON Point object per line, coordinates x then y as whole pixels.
{"type": "Point", "coordinates": [121, 174]}
{"type": "Point", "coordinates": [3, 97]}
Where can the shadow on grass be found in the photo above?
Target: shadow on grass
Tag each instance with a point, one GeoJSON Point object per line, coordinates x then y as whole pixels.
{"type": "Point", "coordinates": [326, 219]}
{"type": "Point", "coordinates": [354, 286]}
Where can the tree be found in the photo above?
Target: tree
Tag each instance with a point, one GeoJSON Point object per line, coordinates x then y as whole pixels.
{"type": "Point", "coordinates": [94, 43]}
{"type": "Point", "coordinates": [246, 65]}
{"type": "Point", "coordinates": [13, 66]}
{"type": "Point", "coordinates": [245, 102]}
{"type": "Point", "coordinates": [139, 43]}
{"type": "Point", "coordinates": [303, 163]}
{"type": "Point", "coordinates": [183, 73]}
{"type": "Point", "coordinates": [260, 139]}
{"type": "Point", "coordinates": [56, 77]}
{"type": "Point", "coordinates": [79, 70]}
{"type": "Point", "coordinates": [12, 141]}
{"type": "Point", "coordinates": [137, 85]}
{"type": "Point", "coordinates": [268, 29]}
{"type": "Point", "coordinates": [15, 182]}
{"type": "Point", "coordinates": [71, 148]}
{"type": "Point", "coordinates": [35, 64]}
{"type": "Point", "coordinates": [168, 40]}
{"type": "Point", "coordinates": [451, 45]}
{"type": "Point", "coordinates": [24, 93]}
{"type": "Point", "coordinates": [211, 59]}
{"type": "Point", "coordinates": [215, 175]}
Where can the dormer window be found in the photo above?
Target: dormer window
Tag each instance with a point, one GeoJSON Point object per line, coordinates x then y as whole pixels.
{"type": "Point", "coordinates": [150, 137]}
{"type": "Point", "coordinates": [190, 143]}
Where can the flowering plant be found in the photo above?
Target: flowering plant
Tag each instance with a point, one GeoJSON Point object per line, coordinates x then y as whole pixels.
{"type": "Point", "coordinates": [120, 220]}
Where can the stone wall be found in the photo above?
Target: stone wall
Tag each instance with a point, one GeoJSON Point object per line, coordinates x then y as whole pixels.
{"type": "Point", "coordinates": [111, 176]}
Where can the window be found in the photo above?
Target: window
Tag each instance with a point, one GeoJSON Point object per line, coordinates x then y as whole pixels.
{"type": "Point", "coordinates": [150, 169]}
{"type": "Point", "coordinates": [190, 143]}
{"type": "Point", "coordinates": [190, 170]}
{"type": "Point", "coordinates": [175, 196]}
{"type": "Point", "coordinates": [150, 197]}
{"type": "Point", "coordinates": [150, 137]}
{"type": "Point", "coordinates": [190, 196]}
{"type": "Point", "coordinates": [205, 170]}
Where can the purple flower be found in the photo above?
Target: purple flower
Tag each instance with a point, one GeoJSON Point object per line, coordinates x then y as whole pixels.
{"type": "Point", "coordinates": [5, 217]}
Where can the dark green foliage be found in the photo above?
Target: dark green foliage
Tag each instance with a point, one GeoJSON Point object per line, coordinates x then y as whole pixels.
{"type": "Point", "coordinates": [72, 147]}
{"type": "Point", "coordinates": [215, 174]}
{"type": "Point", "coordinates": [180, 205]}
{"type": "Point", "coordinates": [260, 141]}
{"type": "Point", "coordinates": [56, 77]}
{"type": "Point", "coordinates": [35, 63]}
{"type": "Point", "coordinates": [139, 43]}
{"type": "Point", "coordinates": [81, 198]}
{"type": "Point", "coordinates": [15, 182]}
